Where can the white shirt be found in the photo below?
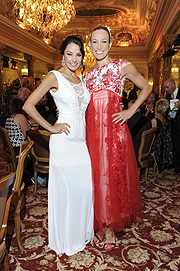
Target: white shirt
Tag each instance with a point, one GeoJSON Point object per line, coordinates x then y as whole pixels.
{"type": "Point", "coordinates": [174, 94]}
{"type": "Point", "coordinates": [173, 99]}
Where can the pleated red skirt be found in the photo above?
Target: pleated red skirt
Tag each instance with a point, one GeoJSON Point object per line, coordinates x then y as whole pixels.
{"type": "Point", "coordinates": [116, 186]}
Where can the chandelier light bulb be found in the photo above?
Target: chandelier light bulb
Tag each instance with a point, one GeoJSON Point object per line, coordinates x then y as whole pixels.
{"type": "Point", "coordinates": [46, 16]}
{"type": "Point", "coordinates": [89, 58]}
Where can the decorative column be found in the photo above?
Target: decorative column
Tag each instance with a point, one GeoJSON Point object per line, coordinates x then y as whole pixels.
{"type": "Point", "coordinates": [2, 47]}
{"type": "Point", "coordinates": [156, 74]}
{"type": "Point", "coordinates": [30, 60]}
{"type": "Point", "coordinates": [50, 67]}
{"type": "Point", "coordinates": [150, 71]}
{"type": "Point", "coordinates": [166, 72]}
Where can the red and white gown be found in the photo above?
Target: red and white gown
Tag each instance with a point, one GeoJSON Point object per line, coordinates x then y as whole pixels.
{"type": "Point", "coordinates": [117, 197]}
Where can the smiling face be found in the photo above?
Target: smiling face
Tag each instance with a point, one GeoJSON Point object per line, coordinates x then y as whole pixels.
{"type": "Point", "coordinates": [100, 45]}
{"type": "Point", "coordinates": [151, 98]}
{"type": "Point", "coordinates": [72, 56]}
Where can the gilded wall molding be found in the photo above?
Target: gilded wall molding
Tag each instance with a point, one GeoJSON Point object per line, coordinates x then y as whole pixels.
{"type": "Point", "coordinates": [21, 40]}
{"type": "Point", "coordinates": [166, 13]}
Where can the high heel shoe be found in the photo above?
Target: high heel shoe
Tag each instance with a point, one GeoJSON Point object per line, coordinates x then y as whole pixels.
{"type": "Point", "coordinates": [109, 246]}
{"type": "Point", "coordinates": [97, 239]}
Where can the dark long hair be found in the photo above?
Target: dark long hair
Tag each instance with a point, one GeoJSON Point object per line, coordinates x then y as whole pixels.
{"type": "Point", "coordinates": [15, 107]}
{"type": "Point", "coordinates": [77, 40]}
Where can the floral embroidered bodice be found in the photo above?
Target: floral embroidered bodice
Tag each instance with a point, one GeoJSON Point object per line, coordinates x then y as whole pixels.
{"type": "Point", "coordinates": [107, 77]}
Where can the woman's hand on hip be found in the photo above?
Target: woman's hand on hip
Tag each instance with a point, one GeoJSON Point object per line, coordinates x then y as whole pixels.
{"type": "Point", "coordinates": [122, 117]}
{"type": "Point", "coordinates": [61, 128]}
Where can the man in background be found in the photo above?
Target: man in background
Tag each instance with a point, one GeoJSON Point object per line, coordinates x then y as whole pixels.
{"type": "Point", "coordinates": [173, 96]}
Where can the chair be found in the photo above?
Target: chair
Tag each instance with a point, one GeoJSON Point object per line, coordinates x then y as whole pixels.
{"type": "Point", "coordinates": [5, 198]}
{"type": "Point", "coordinates": [147, 139]}
{"type": "Point", "coordinates": [40, 152]}
{"type": "Point", "coordinates": [11, 156]}
{"type": "Point", "coordinates": [18, 196]}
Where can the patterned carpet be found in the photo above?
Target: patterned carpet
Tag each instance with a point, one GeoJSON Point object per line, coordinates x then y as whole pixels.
{"type": "Point", "coordinates": [155, 246]}
{"type": "Point", "coordinates": [152, 247]}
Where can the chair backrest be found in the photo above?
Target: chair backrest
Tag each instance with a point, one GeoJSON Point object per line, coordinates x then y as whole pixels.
{"type": "Point", "coordinates": [5, 183]}
{"type": "Point", "coordinates": [40, 149]}
{"type": "Point", "coordinates": [24, 151]}
{"type": "Point", "coordinates": [147, 139]}
{"type": "Point", "coordinates": [11, 156]}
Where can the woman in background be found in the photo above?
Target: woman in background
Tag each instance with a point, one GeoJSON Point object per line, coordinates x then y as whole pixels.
{"type": "Point", "coordinates": [16, 123]}
{"type": "Point", "coordinates": [161, 108]}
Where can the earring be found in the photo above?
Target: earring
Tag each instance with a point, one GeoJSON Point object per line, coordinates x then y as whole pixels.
{"type": "Point", "coordinates": [63, 61]}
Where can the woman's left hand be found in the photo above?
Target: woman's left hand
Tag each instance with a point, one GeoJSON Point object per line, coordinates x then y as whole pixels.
{"type": "Point", "coordinates": [122, 116]}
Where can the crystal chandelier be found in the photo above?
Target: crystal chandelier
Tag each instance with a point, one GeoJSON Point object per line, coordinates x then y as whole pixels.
{"type": "Point", "coordinates": [89, 58]}
{"type": "Point", "coordinates": [45, 16]}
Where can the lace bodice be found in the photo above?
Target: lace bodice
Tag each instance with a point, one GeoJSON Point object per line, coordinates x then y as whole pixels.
{"type": "Point", "coordinates": [79, 105]}
{"type": "Point", "coordinates": [71, 98]}
{"type": "Point", "coordinates": [107, 77]}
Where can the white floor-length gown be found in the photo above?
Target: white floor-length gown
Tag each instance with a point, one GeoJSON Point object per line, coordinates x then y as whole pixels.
{"type": "Point", "coordinates": [70, 204]}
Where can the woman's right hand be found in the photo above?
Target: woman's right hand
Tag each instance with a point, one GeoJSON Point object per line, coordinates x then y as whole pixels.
{"type": "Point", "coordinates": [60, 127]}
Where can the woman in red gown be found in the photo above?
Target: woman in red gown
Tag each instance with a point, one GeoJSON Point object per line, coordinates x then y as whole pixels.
{"type": "Point", "coordinates": [117, 198]}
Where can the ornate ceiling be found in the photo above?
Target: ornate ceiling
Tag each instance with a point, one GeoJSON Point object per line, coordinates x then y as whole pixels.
{"type": "Point", "coordinates": [129, 20]}
{"type": "Point", "coordinates": [140, 24]}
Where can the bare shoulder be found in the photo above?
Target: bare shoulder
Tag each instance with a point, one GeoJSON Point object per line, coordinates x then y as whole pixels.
{"type": "Point", "coordinates": [50, 77]}
{"type": "Point", "coordinates": [19, 117]}
{"type": "Point", "coordinates": [49, 82]}
{"type": "Point", "coordinates": [129, 69]}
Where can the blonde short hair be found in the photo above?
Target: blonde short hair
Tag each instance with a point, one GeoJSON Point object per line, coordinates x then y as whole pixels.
{"type": "Point", "coordinates": [162, 105]}
{"type": "Point", "coordinates": [23, 93]}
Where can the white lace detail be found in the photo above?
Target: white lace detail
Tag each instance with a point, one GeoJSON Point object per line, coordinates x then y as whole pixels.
{"type": "Point", "coordinates": [80, 105]}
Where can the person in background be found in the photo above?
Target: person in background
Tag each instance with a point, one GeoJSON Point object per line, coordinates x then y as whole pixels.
{"type": "Point", "coordinates": [137, 121]}
{"type": "Point", "coordinates": [133, 94]}
{"type": "Point", "coordinates": [158, 121]}
{"type": "Point", "coordinates": [24, 93]}
{"type": "Point", "coordinates": [37, 82]}
{"type": "Point", "coordinates": [25, 82]}
{"type": "Point", "coordinates": [172, 92]}
{"type": "Point", "coordinates": [161, 107]}
{"type": "Point", "coordinates": [173, 96]}
{"type": "Point", "coordinates": [46, 107]}
{"type": "Point", "coordinates": [49, 112]}
{"type": "Point", "coordinates": [16, 123]}
{"type": "Point", "coordinates": [124, 100]}
{"type": "Point", "coordinates": [162, 148]}
{"type": "Point", "coordinates": [117, 198]}
{"type": "Point", "coordinates": [148, 109]}
{"type": "Point", "coordinates": [70, 202]}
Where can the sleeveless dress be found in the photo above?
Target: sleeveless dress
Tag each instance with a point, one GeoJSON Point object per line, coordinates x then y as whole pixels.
{"type": "Point", "coordinates": [15, 133]}
{"type": "Point", "coordinates": [117, 198]}
{"type": "Point", "coordinates": [70, 206]}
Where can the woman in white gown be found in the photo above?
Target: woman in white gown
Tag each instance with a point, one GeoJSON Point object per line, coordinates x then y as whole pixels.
{"type": "Point", "coordinates": [70, 206]}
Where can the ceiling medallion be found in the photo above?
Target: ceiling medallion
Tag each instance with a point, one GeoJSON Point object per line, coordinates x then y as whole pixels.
{"type": "Point", "coordinates": [45, 16]}
{"type": "Point", "coordinates": [124, 39]}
